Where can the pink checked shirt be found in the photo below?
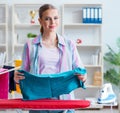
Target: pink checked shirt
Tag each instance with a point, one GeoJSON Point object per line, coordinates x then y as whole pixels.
{"type": "Point", "coordinates": [68, 60]}
{"type": "Point", "coordinates": [69, 57]}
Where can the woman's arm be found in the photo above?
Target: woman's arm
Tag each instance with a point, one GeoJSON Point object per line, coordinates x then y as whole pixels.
{"type": "Point", "coordinates": [77, 62]}
{"type": "Point", "coordinates": [25, 64]}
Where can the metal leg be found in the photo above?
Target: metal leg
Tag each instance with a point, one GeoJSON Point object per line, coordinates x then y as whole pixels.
{"type": "Point", "coordinates": [111, 108]}
{"type": "Point", "coordinates": [19, 111]}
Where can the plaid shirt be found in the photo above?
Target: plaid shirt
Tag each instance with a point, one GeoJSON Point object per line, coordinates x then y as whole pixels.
{"type": "Point", "coordinates": [69, 57]}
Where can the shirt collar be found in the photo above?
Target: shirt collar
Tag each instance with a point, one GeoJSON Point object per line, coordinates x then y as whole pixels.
{"type": "Point", "coordinates": [38, 40]}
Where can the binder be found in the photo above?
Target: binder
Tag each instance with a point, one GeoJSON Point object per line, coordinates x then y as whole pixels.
{"type": "Point", "coordinates": [88, 15]}
{"type": "Point", "coordinates": [96, 15]}
{"type": "Point", "coordinates": [92, 15]}
{"type": "Point", "coordinates": [84, 15]}
{"type": "Point", "coordinates": [99, 15]}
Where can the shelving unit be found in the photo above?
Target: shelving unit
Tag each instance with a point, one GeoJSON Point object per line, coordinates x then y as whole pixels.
{"type": "Point", "coordinates": [4, 32]}
{"type": "Point", "coordinates": [90, 47]}
{"type": "Point", "coordinates": [21, 26]}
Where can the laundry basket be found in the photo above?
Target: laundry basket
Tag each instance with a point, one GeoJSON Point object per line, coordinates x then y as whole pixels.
{"type": "Point", "coordinates": [4, 84]}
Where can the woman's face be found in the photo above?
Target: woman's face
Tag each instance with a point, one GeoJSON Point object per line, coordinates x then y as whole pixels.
{"type": "Point", "coordinates": [49, 20]}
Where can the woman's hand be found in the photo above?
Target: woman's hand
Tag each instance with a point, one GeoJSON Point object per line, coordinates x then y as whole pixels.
{"type": "Point", "coordinates": [83, 78]}
{"type": "Point", "coordinates": [17, 76]}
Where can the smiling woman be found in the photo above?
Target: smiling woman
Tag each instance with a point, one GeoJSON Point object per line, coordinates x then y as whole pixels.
{"type": "Point", "coordinates": [49, 19]}
{"type": "Point", "coordinates": [50, 53]}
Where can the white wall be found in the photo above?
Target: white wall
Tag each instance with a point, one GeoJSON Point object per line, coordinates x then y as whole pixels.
{"type": "Point", "coordinates": [111, 16]}
{"type": "Point", "coordinates": [111, 25]}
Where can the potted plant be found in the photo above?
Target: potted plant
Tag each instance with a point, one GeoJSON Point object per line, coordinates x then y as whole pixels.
{"type": "Point", "coordinates": [113, 58]}
{"type": "Point", "coordinates": [31, 35]}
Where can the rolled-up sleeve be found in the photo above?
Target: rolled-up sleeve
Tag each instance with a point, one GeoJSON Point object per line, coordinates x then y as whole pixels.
{"type": "Point", "coordinates": [76, 60]}
{"type": "Point", "coordinates": [26, 58]}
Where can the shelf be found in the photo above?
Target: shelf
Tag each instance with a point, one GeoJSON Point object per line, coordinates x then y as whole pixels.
{"type": "Point", "coordinates": [22, 25]}
{"type": "Point", "coordinates": [18, 45]}
{"type": "Point", "coordinates": [93, 66]}
{"type": "Point", "coordinates": [88, 45]}
{"type": "Point", "coordinates": [89, 37]}
{"type": "Point", "coordinates": [2, 45]}
{"type": "Point", "coordinates": [75, 12]}
{"type": "Point", "coordinates": [81, 24]}
{"type": "Point", "coordinates": [27, 5]}
{"type": "Point", "coordinates": [73, 5]}
{"type": "Point", "coordinates": [21, 13]}
{"type": "Point", "coordinates": [93, 86]}
{"type": "Point", "coordinates": [3, 13]}
{"type": "Point", "coordinates": [27, 25]}
{"type": "Point", "coordinates": [4, 30]}
{"type": "Point", "coordinates": [3, 24]}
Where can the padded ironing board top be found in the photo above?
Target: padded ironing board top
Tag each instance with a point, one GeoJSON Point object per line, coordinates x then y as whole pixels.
{"type": "Point", "coordinates": [43, 104]}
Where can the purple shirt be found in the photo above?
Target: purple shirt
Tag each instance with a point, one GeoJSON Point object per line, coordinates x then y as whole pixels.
{"type": "Point", "coordinates": [49, 58]}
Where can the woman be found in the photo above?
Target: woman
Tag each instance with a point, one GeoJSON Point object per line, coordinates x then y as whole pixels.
{"type": "Point", "coordinates": [51, 53]}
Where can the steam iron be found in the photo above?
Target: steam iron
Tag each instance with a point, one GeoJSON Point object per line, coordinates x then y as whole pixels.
{"type": "Point", "coordinates": [106, 95]}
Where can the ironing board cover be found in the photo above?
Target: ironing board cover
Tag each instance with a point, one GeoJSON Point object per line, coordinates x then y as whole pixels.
{"type": "Point", "coordinates": [43, 104]}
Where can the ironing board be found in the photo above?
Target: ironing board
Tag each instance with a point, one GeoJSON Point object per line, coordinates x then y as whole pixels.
{"type": "Point", "coordinates": [43, 104]}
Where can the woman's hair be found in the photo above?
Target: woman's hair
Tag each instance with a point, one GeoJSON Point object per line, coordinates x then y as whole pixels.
{"type": "Point", "coordinates": [42, 9]}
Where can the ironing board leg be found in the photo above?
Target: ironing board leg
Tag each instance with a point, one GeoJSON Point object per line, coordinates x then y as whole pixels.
{"type": "Point", "coordinates": [19, 111]}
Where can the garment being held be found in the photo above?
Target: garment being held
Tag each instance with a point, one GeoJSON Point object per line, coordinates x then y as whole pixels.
{"type": "Point", "coordinates": [50, 85]}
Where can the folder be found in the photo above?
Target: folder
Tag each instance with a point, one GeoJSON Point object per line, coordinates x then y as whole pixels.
{"type": "Point", "coordinates": [84, 14]}
{"type": "Point", "coordinates": [92, 15]}
{"type": "Point", "coordinates": [96, 15]}
{"type": "Point", "coordinates": [99, 15]}
{"type": "Point", "coordinates": [88, 15]}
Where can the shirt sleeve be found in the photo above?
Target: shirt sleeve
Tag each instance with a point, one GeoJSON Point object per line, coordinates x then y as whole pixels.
{"type": "Point", "coordinates": [76, 60]}
{"type": "Point", "coordinates": [26, 58]}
